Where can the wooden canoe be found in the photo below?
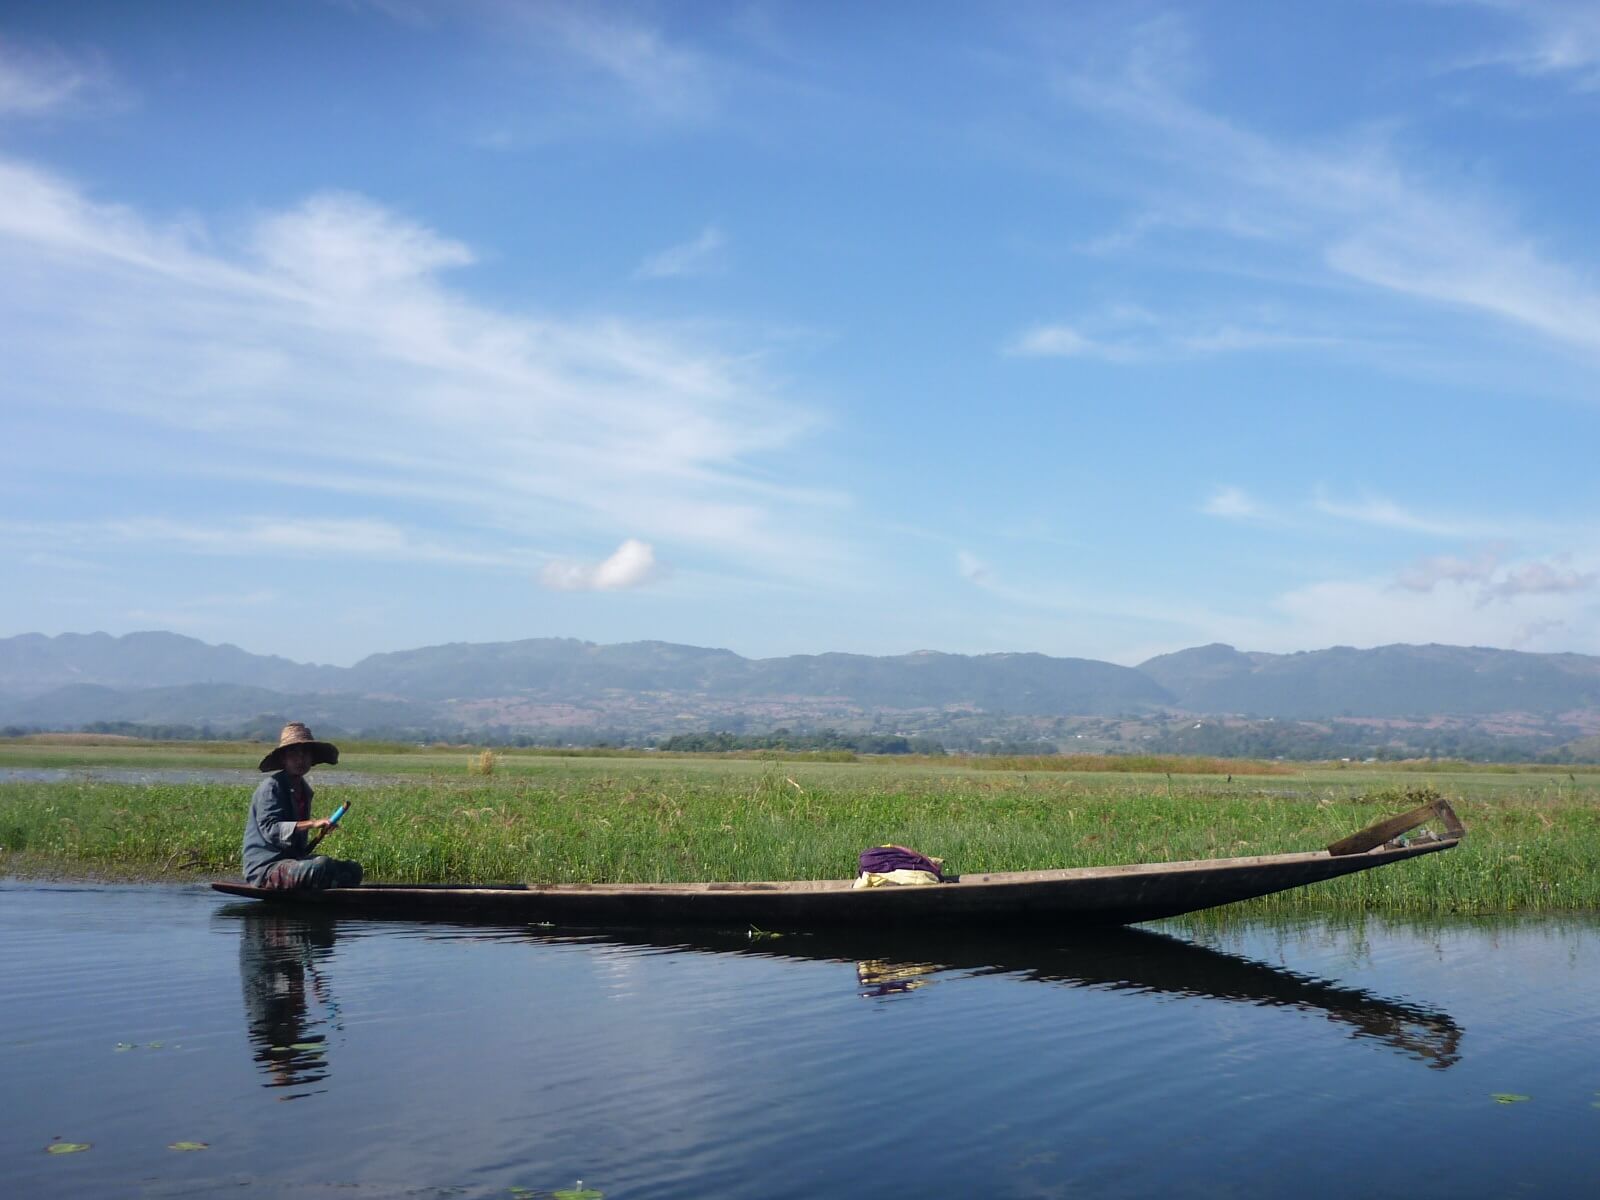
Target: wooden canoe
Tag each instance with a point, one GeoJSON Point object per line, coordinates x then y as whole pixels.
{"type": "Point", "coordinates": [1117, 895]}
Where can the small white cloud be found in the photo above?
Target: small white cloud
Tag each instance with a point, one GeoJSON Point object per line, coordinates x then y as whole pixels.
{"type": "Point", "coordinates": [1060, 341]}
{"type": "Point", "coordinates": [1232, 503]}
{"type": "Point", "coordinates": [633, 565]}
{"type": "Point", "coordinates": [702, 256]}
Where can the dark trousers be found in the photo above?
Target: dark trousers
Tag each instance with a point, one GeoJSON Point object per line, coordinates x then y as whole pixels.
{"type": "Point", "coordinates": [317, 872]}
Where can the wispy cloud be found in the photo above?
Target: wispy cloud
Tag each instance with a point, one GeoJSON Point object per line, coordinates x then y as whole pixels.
{"type": "Point", "coordinates": [1233, 504]}
{"type": "Point", "coordinates": [1355, 207]}
{"type": "Point", "coordinates": [1430, 572]}
{"type": "Point", "coordinates": [664, 77]}
{"type": "Point", "coordinates": [1130, 334]}
{"type": "Point", "coordinates": [1488, 578]}
{"type": "Point", "coordinates": [972, 567]}
{"type": "Point", "coordinates": [1059, 341]}
{"type": "Point", "coordinates": [331, 332]}
{"type": "Point", "coordinates": [367, 539]}
{"type": "Point", "coordinates": [1387, 514]}
{"type": "Point", "coordinates": [39, 81]}
{"type": "Point", "coordinates": [632, 565]}
{"type": "Point", "coordinates": [1553, 38]}
{"type": "Point", "coordinates": [1551, 615]}
{"type": "Point", "coordinates": [700, 256]}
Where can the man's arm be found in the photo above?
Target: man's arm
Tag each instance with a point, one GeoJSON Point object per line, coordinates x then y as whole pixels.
{"type": "Point", "coordinates": [274, 816]}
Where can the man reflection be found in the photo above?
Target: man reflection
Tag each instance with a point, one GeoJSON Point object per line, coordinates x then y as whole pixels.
{"type": "Point", "coordinates": [286, 999]}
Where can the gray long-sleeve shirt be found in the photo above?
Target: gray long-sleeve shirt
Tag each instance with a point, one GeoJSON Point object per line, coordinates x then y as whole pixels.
{"type": "Point", "coordinates": [269, 832]}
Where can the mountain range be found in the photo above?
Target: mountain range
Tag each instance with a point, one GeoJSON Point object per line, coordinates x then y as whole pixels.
{"type": "Point", "coordinates": [648, 689]}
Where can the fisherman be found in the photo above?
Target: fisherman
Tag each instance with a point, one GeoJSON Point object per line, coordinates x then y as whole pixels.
{"type": "Point", "coordinates": [277, 834]}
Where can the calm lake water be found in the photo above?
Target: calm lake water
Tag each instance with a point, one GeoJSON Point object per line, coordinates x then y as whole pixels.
{"type": "Point", "coordinates": [351, 1059]}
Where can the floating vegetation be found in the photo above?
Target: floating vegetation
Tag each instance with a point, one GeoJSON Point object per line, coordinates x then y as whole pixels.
{"type": "Point", "coordinates": [1533, 846]}
{"type": "Point", "coordinates": [67, 1147]}
{"type": "Point", "coordinates": [188, 1146]}
{"type": "Point", "coordinates": [1510, 1098]}
{"type": "Point", "coordinates": [579, 1192]}
{"type": "Point", "coordinates": [762, 935]}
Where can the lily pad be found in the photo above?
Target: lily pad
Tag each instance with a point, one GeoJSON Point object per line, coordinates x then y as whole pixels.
{"type": "Point", "coordinates": [189, 1146]}
{"type": "Point", "coordinates": [1510, 1098]}
{"type": "Point", "coordinates": [67, 1147]}
{"type": "Point", "coordinates": [580, 1194]}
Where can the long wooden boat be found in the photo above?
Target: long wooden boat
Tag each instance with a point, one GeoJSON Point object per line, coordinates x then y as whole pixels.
{"type": "Point", "coordinates": [1117, 895]}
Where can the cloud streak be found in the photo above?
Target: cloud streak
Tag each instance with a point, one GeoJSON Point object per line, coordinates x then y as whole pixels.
{"type": "Point", "coordinates": [39, 82]}
{"type": "Point", "coordinates": [330, 329]}
{"type": "Point", "coordinates": [1347, 206]}
{"type": "Point", "coordinates": [1232, 503]}
{"type": "Point", "coordinates": [1128, 335]}
{"type": "Point", "coordinates": [1558, 38]}
{"type": "Point", "coordinates": [701, 256]}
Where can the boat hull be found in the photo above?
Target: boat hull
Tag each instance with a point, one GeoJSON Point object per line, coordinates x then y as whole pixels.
{"type": "Point", "coordinates": [1079, 896]}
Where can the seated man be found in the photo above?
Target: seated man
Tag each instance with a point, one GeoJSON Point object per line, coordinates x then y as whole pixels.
{"type": "Point", "coordinates": [277, 845]}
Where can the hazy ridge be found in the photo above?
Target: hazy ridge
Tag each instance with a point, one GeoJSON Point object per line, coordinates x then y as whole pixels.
{"type": "Point", "coordinates": [644, 689]}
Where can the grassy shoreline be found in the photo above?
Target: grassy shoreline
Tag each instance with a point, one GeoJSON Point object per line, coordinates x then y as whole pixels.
{"type": "Point", "coordinates": [1533, 847]}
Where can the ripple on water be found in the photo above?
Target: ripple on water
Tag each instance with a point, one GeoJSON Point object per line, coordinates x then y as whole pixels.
{"type": "Point", "coordinates": [437, 1056]}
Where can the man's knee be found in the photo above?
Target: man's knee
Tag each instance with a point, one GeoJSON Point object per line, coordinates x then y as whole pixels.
{"type": "Point", "coordinates": [325, 872]}
{"type": "Point", "coordinates": [314, 873]}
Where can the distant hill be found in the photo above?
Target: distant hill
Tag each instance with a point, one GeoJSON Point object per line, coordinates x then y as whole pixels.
{"type": "Point", "coordinates": [1388, 681]}
{"type": "Point", "coordinates": [221, 706]}
{"type": "Point", "coordinates": [33, 663]}
{"type": "Point", "coordinates": [570, 670]}
{"type": "Point", "coordinates": [650, 689]}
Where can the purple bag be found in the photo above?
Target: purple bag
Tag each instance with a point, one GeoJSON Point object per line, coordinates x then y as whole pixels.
{"type": "Point", "coordinates": [880, 860]}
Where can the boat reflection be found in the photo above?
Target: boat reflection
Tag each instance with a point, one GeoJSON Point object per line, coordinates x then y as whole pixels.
{"type": "Point", "coordinates": [288, 1004]}
{"type": "Point", "coordinates": [1121, 959]}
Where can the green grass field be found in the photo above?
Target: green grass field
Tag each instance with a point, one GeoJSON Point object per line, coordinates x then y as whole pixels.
{"type": "Point", "coordinates": [1534, 843]}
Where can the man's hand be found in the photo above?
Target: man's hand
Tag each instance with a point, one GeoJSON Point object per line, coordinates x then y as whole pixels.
{"type": "Point", "coordinates": [321, 824]}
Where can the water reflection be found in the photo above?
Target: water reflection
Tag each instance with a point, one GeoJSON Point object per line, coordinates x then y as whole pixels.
{"type": "Point", "coordinates": [288, 1004]}
{"type": "Point", "coordinates": [1139, 960]}
{"type": "Point", "coordinates": [879, 977]}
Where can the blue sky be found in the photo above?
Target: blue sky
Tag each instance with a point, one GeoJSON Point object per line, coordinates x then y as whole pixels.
{"type": "Point", "coordinates": [1094, 329]}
